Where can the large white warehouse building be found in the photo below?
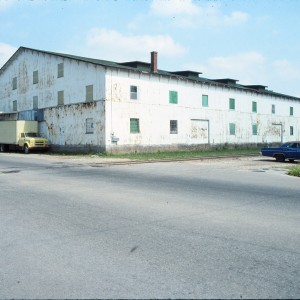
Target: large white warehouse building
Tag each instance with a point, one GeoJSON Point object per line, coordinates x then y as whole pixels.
{"type": "Point", "coordinates": [90, 104]}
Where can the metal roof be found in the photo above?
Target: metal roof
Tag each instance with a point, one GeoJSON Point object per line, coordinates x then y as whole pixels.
{"type": "Point", "coordinates": [138, 66]}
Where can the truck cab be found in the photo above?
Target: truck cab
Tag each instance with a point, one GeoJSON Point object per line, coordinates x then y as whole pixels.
{"type": "Point", "coordinates": [31, 140]}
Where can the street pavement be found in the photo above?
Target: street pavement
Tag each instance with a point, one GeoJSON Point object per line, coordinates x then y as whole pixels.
{"type": "Point", "coordinates": [76, 228]}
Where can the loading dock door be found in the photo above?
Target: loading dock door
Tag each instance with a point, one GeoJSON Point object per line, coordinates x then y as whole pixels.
{"type": "Point", "coordinates": [199, 131]}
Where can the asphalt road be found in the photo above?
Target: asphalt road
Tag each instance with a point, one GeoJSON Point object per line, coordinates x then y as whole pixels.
{"type": "Point", "coordinates": [201, 229]}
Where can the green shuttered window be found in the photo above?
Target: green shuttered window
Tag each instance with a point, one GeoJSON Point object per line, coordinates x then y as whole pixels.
{"type": "Point", "coordinates": [60, 98]}
{"type": "Point", "coordinates": [35, 77]}
{"type": "Point", "coordinates": [134, 125]}
{"type": "Point", "coordinates": [60, 70]}
{"type": "Point", "coordinates": [231, 128]}
{"type": "Point", "coordinates": [173, 97]}
{"type": "Point", "coordinates": [232, 104]}
{"type": "Point", "coordinates": [254, 106]}
{"type": "Point", "coordinates": [291, 111]}
{"type": "Point", "coordinates": [254, 129]}
{"type": "Point", "coordinates": [204, 100]}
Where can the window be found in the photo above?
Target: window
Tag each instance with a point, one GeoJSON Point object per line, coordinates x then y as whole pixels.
{"type": "Point", "coordinates": [89, 93]}
{"type": "Point", "coordinates": [232, 104]}
{"type": "Point", "coordinates": [204, 101]}
{"type": "Point", "coordinates": [254, 106]}
{"type": "Point", "coordinates": [231, 128]}
{"type": "Point", "coordinates": [173, 97]}
{"type": "Point", "coordinates": [60, 70]}
{"type": "Point", "coordinates": [15, 105]}
{"type": "Point", "coordinates": [35, 102]}
{"type": "Point", "coordinates": [291, 111]}
{"type": "Point", "coordinates": [133, 92]}
{"type": "Point", "coordinates": [15, 83]}
{"type": "Point", "coordinates": [273, 108]}
{"type": "Point", "coordinates": [134, 125]}
{"type": "Point", "coordinates": [173, 127]}
{"type": "Point", "coordinates": [291, 130]}
{"type": "Point", "coordinates": [60, 98]}
{"type": "Point", "coordinates": [35, 77]}
{"type": "Point", "coordinates": [89, 123]}
{"type": "Point", "coordinates": [254, 129]}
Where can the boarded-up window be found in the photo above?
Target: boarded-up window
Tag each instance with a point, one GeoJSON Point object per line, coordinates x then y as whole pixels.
{"type": "Point", "coordinates": [60, 70]}
{"type": "Point", "coordinates": [133, 92]}
{"type": "Point", "coordinates": [89, 125]}
{"type": "Point", "coordinates": [232, 104]}
{"type": "Point", "coordinates": [89, 93]}
{"type": "Point", "coordinates": [60, 98]}
{"type": "Point", "coordinates": [15, 105]}
{"type": "Point", "coordinates": [254, 129]}
{"type": "Point", "coordinates": [231, 128]}
{"type": "Point", "coordinates": [173, 127]}
{"type": "Point", "coordinates": [291, 111]}
{"type": "Point", "coordinates": [173, 97]}
{"type": "Point", "coordinates": [134, 125]}
{"type": "Point", "coordinates": [291, 130]}
{"type": "Point", "coordinates": [35, 76]}
{"type": "Point", "coordinates": [15, 83]}
{"type": "Point", "coordinates": [205, 100]}
{"type": "Point", "coordinates": [35, 102]}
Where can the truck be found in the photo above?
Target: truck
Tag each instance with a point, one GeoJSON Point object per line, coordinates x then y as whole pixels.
{"type": "Point", "coordinates": [21, 135]}
{"type": "Point", "coordinates": [289, 150]}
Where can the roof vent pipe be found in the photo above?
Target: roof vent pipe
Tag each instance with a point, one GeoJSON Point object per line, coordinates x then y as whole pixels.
{"type": "Point", "coordinates": [154, 61]}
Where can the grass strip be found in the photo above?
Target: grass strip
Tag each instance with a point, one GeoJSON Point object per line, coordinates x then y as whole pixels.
{"type": "Point", "coordinates": [294, 171]}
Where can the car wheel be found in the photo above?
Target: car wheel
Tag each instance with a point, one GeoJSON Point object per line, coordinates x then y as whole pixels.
{"type": "Point", "coordinates": [280, 157]}
{"type": "Point", "coordinates": [291, 160]}
{"type": "Point", "coordinates": [26, 149]}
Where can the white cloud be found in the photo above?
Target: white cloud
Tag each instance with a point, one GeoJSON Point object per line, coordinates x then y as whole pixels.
{"type": "Point", "coordinates": [286, 69]}
{"type": "Point", "coordinates": [113, 45]}
{"type": "Point", "coordinates": [247, 67]}
{"type": "Point", "coordinates": [5, 4]}
{"type": "Point", "coordinates": [6, 51]}
{"type": "Point", "coordinates": [174, 7]}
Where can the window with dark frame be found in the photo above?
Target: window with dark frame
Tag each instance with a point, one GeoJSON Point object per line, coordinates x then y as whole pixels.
{"type": "Point", "coordinates": [35, 102]}
{"type": "Point", "coordinates": [291, 130]}
{"type": "Point", "coordinates": [291, 110]}
{"type": "Point", "coordinates": [60, 98]}
{"type": "Point", "coordinates": [173, 127]}
{"type": "Point", "coordinates": [89, 123]}
{"type": "Point", "coordinates": [15, 105]}
{"type": "Point", "coordinates": [35, 77]}
{"type": "Point", "coordinates": [133, 92]}
{"type": "Point", "coordinates": [60, 70]}
{"type": "Point", "coordinates": [89, 93]}
{"type": "Point", "coordinates": [15, 83]}
{"type": "Point", "coordinates": [273, 108]}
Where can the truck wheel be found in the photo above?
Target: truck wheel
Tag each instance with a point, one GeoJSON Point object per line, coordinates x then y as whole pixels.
{"type": "Point", "coordinates": [291, 160]}
{"type": "Point", "coordinates": [26, 149]}
{"type": "Point", "coordinates": [280, 157]}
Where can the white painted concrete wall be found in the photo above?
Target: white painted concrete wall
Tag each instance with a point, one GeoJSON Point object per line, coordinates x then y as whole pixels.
{"type": "Point", "coordinates": [154, 111]}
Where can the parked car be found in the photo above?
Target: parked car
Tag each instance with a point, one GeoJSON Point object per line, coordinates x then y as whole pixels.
{"type": "Point", "coordinates": [290, 151]}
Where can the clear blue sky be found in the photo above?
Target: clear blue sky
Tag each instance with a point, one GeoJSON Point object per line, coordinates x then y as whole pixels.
{"type": "Point", "coordinates": [253, 41]}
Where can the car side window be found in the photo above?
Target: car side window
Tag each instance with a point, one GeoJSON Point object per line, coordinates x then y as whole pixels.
{"type": "Point", "coordinates": [22, 135]}
{"type": "Point", "coordinates": [294, 145]}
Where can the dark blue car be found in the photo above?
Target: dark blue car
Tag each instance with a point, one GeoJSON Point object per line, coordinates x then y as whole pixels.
{"type": "Point", "coordinates": [290, 151]}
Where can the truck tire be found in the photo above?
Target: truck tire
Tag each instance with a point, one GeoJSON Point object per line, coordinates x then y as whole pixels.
{"type": "Point", "coordinates": [280, 157]}
{"type": "Point", "coordinates": [26, 149]}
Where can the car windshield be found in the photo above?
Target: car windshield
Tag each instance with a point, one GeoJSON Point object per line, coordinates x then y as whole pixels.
{"type": "Point", "coordinates": [289, 145]}
{"type": "Point", "coordinates": [31, 134]}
